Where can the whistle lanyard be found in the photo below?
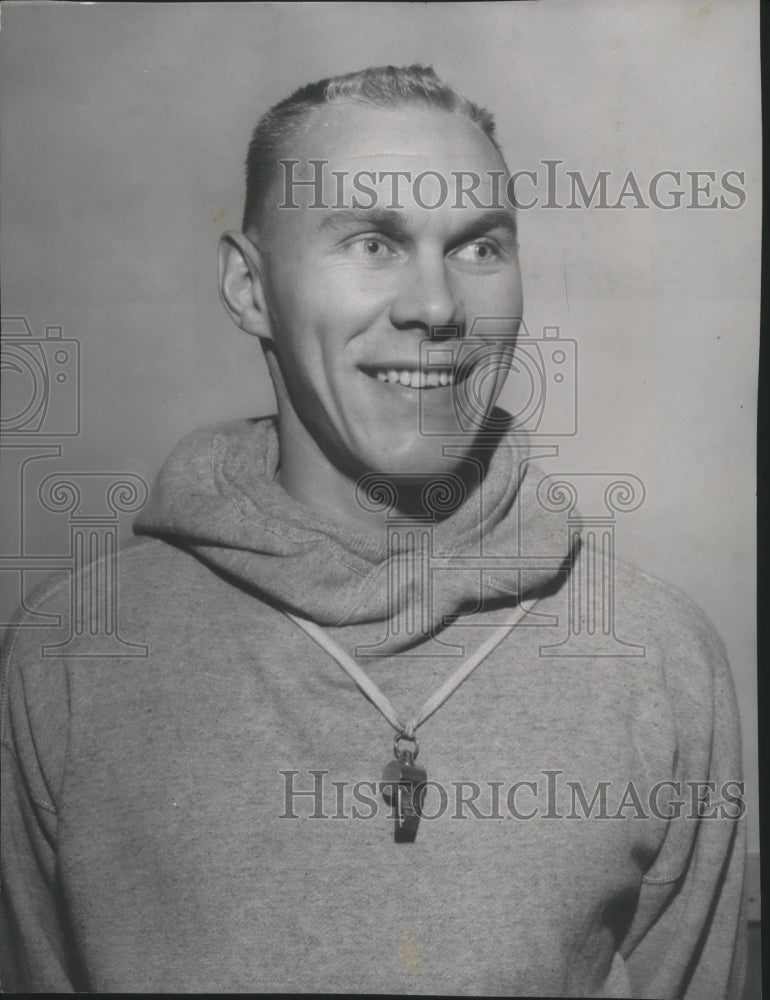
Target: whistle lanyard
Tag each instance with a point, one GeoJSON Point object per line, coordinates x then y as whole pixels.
{"type": "Point", "coordinates": [403, 781]}
{"type": "Point", "coordinates": [374, 694]}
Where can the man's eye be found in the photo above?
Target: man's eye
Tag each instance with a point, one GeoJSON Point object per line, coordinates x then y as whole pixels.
{"type": "Point", "coordinates": [478, 252]}
{"type": "Point", "coordinates": [373, 247]}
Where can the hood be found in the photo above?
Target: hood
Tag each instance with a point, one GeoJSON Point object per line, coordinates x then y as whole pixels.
{"type": "Point", "coordinates": [218, 496]}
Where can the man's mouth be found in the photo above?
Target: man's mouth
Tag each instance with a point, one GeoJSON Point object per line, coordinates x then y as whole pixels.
{"type": "Point", "coordinates": [417, 379]}
{"type": "Point", "coordinates": [413, 378]}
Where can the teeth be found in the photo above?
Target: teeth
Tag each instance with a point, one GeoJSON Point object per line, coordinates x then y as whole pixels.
{"type": "Point", "coordinates": [415, 379]}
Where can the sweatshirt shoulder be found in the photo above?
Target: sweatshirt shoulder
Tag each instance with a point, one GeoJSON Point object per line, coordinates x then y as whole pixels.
{"type": "Point", "coordinates": [85, 602]}
{"type": "Point", "coordinates": [680, 638]}
{"type": "Point", "coordinates": [52, 607]}
{"type": "Point", "coordinates": [668, 614]}
{"type": "Point", "coordinates": [79, 625]}
{"type": "Point", "coordinates": [690, 661]}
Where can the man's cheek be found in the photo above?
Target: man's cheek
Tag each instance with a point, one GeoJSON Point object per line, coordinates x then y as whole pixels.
{"type": "Point", "coordinates": [491, 295]}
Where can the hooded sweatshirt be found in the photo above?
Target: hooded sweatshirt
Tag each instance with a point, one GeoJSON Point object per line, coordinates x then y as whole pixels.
{"type": "Point", "coordinates": [203, 813]}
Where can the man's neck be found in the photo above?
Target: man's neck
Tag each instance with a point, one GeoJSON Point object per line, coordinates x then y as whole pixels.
{"type": "Point", "coordinates": [309, 476]}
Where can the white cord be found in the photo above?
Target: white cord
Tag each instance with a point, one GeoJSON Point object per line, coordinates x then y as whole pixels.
{"type": "Point", "coordinates": [375, 695]}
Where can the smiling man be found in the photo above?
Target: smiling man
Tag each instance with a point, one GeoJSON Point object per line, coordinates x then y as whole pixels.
{"type": "Point", "coordinates": [554, 817]}
{"type": "Point", "coordinates": [344, 296]}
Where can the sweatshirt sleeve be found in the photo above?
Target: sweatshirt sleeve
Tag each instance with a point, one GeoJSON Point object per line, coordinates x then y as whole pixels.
{"type": "Point", "coordinates": [34, 952]}
{"type": "Point", "coordinates": [688, 935]}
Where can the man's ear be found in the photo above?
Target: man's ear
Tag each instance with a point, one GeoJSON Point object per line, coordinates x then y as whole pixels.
{"type": "Point", "coordinates": [240, 284]}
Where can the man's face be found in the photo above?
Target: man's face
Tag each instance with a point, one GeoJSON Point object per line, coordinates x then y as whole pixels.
{"type": "Point", "coordinates": [353, 295]}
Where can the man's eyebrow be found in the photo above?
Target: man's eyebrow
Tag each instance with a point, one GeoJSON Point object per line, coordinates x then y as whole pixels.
{"type": "Point", "coordinates": [393, 223]}
{"type": "Point", "coordinates": [479, 225]}
{"type": "Point", "coordinates": [388, 221]}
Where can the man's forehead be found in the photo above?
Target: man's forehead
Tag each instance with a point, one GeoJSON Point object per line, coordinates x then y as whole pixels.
{"type": "Point", "coordinates": [353, 134]}
{"type": "Point", "coordinates": [352, 155]}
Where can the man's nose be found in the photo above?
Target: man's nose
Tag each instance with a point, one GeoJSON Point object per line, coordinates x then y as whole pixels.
{"type": "Point", "coordinates": [427, 297]}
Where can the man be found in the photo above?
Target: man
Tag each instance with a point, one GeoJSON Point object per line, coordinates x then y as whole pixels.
{"type": "Point", "coordinates": [215, 816]}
